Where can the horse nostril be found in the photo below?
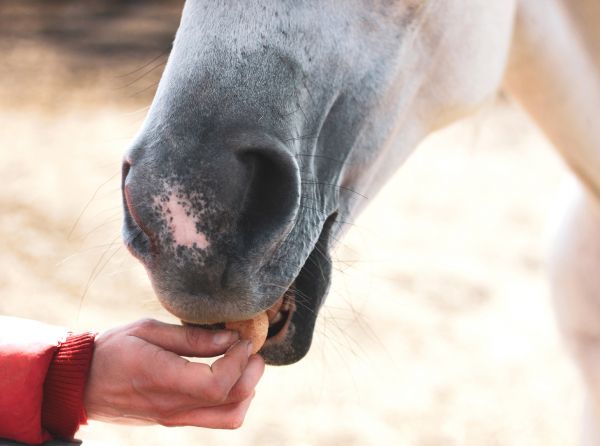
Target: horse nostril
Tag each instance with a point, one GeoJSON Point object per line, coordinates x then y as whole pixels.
{"type": "Point", "coordinates": [271, 198]}
{"type": "Point", "coordinates": [136, 234]}
{"type": "Point", "coordinates": [125, 168]}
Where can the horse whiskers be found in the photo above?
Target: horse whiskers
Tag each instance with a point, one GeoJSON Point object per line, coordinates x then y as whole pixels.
{"type": "Point", "coordinates": [87, 205]}
{"type": "Point", "coordinates": [83, 252]}
{"type": "Point", "coordinates": [148, 87]}
{"type": "Point", "coordinates": [344, 188]}
{"type": "Point", "coordinates": [317, 249]}
{"type": "Point", "coordinates": [141, 67]}
{"type": "Point", "coordinates": [311, 155]}
{"type": "Point", "coordinates": [101, 225]}
{"type": "Point", "coordinates": [301, 298]}
{"type": "Point", "coordinates": [300, 138]}
{"type": "Point", "coordinates": [351, 343]}
{"type": "Point", "coordinates": [98, 269]}
{"type": "Point", "coordinates": [146, 73]}
{"type": "Point", "coordinates": [285, 289]}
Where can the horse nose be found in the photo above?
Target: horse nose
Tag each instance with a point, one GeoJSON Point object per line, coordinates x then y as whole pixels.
{"type": "Point", "coordinates": [231, 200]}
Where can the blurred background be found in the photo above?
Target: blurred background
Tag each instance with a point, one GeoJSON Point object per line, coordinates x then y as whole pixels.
{"type": "Point", "coordinates": [438, 329]}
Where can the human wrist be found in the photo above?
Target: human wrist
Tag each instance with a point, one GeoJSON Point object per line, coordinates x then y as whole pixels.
{"type": "Point", "coordinates": [62, 408]}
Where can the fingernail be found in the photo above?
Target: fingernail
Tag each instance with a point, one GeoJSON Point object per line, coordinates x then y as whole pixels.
{"type": "Point", "coordinates": [224, 337]}
{"type": "Point", "coordinates": [250, 347]}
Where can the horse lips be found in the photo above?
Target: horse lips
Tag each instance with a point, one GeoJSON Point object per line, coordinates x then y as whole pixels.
{"type": "Point", "coordinates": [254, 330]}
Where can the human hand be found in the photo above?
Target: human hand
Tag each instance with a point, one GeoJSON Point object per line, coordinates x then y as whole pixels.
{"type": "Point", "coordinates": [137, 376]}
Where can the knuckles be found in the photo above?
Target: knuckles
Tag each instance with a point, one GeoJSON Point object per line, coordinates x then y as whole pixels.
{"type": "Point", "coordinates": [241, 392]}
{"type": "Point", "coordinates": [195, 337]}
{"type": "Point", "coordinates": [216, 392]}
{"type": "Point", "coordinates": [144, 325]}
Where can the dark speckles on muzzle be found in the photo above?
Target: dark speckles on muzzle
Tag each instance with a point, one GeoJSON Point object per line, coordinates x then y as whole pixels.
{"type": "Point", "coordinates": [206, 225]}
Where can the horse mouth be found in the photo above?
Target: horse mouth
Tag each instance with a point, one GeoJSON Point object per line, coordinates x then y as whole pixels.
{"type": "Point", "coordinates": [293, 316]}
{"type": "Point", "coordinates": [279, 316]}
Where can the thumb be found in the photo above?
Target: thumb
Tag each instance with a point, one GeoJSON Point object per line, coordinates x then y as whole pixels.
{"type": "Point", "coordinates": [184, 340]}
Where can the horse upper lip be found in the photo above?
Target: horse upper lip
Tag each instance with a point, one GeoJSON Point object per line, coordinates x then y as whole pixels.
{"type": "Point", "coordinates": [279, 315]}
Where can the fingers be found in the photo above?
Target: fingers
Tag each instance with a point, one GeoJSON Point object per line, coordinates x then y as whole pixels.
{"type": "Point", "coordinates": [228, 416]}
{"type": "Point", "coordinates": [185, 340]}
{"type": "Point", "coordinates": [211, 384]}
{"type": "Point", "coordinates": [170, 400]}
{"type": "Point", "coordinates": [244, 387]}
{"type": "Point", "coordinates": [230, 379]}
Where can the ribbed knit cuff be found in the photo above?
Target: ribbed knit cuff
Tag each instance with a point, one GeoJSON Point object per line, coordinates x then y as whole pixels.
{"type": "Point", "coordinates": [62, 409]}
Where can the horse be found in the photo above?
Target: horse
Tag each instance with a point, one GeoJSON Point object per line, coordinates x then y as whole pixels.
{"type": "Point", "coordinates": [272, 117]}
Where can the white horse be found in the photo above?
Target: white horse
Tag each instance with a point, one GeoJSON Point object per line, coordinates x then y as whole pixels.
{"type": "Point", "coordinates": [289, 84]}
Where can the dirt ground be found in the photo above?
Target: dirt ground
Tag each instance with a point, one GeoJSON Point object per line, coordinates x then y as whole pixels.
{"type": "Point", "coordinates": [438, 329]}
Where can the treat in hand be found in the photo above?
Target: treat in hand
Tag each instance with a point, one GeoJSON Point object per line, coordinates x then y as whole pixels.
{"type": "Point", "coordinates": [254, 330]}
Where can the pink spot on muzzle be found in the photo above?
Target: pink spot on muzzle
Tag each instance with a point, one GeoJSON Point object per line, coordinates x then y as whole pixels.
{"type": "Point", "coordinates": [183, 222]}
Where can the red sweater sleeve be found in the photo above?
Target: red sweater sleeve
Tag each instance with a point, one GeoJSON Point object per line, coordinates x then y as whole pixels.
{"type": "Point", "coordinates": [62, 409]}
{"type": "Point", "coordinates": [42, 375]}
